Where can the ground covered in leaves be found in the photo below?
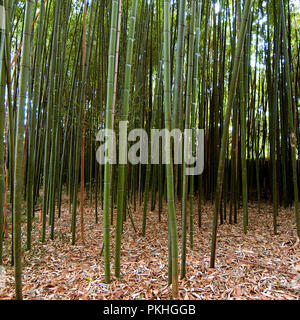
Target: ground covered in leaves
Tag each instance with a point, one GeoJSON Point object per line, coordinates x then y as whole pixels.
{"type": "Point", "coordinates": [255, 266]}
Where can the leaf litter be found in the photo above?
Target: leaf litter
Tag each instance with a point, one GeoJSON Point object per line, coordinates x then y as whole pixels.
{"type": "Point", "coordinates": [255, 266]}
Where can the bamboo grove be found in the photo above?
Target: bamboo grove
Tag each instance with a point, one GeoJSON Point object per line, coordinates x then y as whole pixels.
{"type": "Point", "coordinates": [70, 68]}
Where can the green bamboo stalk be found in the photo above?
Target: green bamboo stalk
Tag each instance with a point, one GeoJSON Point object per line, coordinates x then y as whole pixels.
{"type": "Point", "coordinates": [243, 108]}
{"type": "Point", "coordinates": [33, 127]}
{"type": "Point", "coordinates": [82, 163]}
{"type": "Point", "coordinates": [193, 113]}
{"type": "Point", "coordinates": [2, 122]}
{"type": "Point", "coordinates": [18, 172]}
{"type": "Point", "coordinates": [178, 84]}
{"type": "Point", "coordinates": [108, 122]}
{"type": "Point", "coordinates": [187, 126]}
{"type": "Point", "coordinates": [273, 99]}
{"type": "Point", "coordinates": [231, 96]}
{"type": "Point", "coordinates": [49, 115]}
{"type": "Point", "coordinates": [122, 143]}
{"type": "Point", "coordinates": [169, 167]}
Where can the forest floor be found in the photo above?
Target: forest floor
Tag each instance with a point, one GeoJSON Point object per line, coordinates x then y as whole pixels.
{"type": "Point", "coordinates": [255, 266]}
